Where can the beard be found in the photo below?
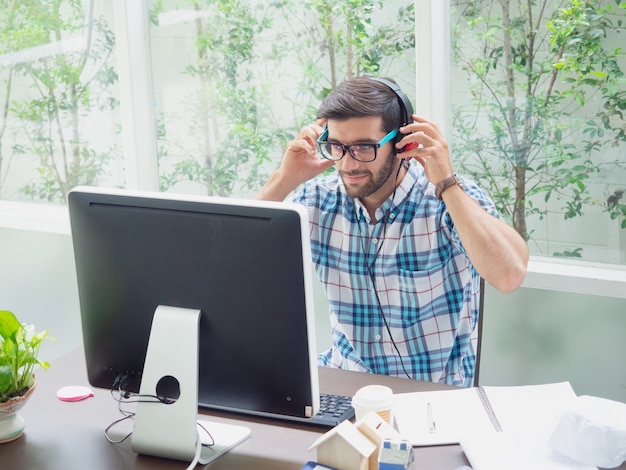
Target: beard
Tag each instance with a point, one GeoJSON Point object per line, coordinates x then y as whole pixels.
{"type": "Point", "coordinates": [375, 181]}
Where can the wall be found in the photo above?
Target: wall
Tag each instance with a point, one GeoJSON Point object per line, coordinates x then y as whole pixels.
{"type": "Point", "coordinates": [530, 336]}
{"type": "Point", "coordinates": [535, 336]}
{"type": "Point", "coordinates": [38, 284]}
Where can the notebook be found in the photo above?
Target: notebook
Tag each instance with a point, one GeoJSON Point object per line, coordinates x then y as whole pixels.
{"type": "Point", "coordinates": [442, 417]}
{"type": "Point", "coordinates": [497, 427]}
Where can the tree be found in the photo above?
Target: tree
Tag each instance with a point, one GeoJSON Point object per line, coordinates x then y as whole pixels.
{"type": "Point", "coordinates": [63, 88]}
{"type": "Point", "coordinates": [228, 138]}
{"type": "Point", "coordinates": [234, 128]}
{"type": "Point", "coordinates": [526, 130]}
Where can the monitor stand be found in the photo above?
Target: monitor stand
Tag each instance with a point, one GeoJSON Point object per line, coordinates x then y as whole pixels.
{"type": "Point", "coordinates": [171, 369]}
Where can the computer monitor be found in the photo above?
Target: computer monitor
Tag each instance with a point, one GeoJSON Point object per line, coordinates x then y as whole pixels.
{"type": "Point", "coordinates": [242, 265]}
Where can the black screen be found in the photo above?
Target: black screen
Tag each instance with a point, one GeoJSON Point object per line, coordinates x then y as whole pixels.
{"type": "Point", "coordinates": [242, 263]}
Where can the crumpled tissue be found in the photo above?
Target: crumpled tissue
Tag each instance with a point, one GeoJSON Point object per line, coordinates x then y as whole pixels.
{"type": "Point", "coordinates": [592, 430]}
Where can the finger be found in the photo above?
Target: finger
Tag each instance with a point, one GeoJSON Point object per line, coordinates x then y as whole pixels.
{"type": "Point", "coordinates": [423, 120]}
{"type": "Point", "coordinates": [310, 133]}
{"type": "Point", "coordinates": [414, 141]}
{"type": "Point", "coordinates": [301, 144]}
{"type": "Point", "coordinates": [421, 124]}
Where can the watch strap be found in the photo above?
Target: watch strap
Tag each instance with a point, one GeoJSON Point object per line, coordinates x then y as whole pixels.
{"type": "Point", "coordinates": [448, 182]}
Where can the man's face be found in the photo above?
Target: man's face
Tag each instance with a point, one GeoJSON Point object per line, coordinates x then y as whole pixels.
{"type": "Point", "coordinates": [364, 179]}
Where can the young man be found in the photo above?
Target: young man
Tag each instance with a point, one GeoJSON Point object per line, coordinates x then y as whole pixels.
{"type": "Point", "coordinates": [399, 247]}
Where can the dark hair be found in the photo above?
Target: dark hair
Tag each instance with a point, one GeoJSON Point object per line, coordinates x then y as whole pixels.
{"type": "Point", "coordinates": [362, 97]}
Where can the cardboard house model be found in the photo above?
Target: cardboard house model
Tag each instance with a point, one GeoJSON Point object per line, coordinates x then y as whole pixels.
{"type": "Point", "coordinates": [350, 446]}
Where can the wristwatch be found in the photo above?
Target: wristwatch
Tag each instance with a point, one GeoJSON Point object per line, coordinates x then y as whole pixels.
{"type": "Point", "coordinates": [445, 184]}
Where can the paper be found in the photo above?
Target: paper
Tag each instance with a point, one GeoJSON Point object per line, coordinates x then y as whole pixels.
{"type": "Point", "coordinates": [528, 409]}
{"type": "Point", "coordinates": [452, 412]}
{"type": "Point", "coordinates": [515, 452]}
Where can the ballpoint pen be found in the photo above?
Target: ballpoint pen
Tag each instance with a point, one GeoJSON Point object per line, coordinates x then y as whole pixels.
{"type": "Point", "coordinates": [431, 421]}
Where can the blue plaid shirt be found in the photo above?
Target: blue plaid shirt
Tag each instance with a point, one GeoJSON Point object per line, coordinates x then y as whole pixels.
{"type": "Point", "coordinates": [402, 283]}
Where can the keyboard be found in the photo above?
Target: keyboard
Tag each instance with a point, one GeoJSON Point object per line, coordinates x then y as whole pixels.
{"type": "Point", "coordinates": [333, 410]}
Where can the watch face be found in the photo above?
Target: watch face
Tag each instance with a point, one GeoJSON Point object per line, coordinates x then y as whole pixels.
{"type": "Point", "coordinates": [458, 180]}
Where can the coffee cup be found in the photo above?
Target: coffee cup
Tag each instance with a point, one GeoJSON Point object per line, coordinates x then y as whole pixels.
{"type": "Point", "coordinates": [376, 398]}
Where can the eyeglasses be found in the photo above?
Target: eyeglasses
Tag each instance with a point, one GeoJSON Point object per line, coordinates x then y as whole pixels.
{"type": "Point", "coordinates": [360, 152]}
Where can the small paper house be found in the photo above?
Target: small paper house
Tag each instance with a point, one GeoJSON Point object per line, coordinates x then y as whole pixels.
{"type": "Point", "coordinates": [350, 446]}
{"type": "Point", "coordinates": [344, 447]}
{"type": "Point", "coordinates": [377, 430]}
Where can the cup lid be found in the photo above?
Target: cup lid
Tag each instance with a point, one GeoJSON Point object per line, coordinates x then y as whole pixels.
{"type": "Point", "coordinates": [373, 395]}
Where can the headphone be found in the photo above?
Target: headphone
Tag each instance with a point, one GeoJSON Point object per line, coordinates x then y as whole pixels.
{"type": "Point", "coordinates": [405, 104]}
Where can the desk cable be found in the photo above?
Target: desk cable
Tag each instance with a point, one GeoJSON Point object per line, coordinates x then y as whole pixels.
{"type": "Point", "coordinates": [123, 397]}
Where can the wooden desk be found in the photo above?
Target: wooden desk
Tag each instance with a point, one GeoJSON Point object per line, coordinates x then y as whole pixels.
{"type": "Point", "coordinates": [70, 435]}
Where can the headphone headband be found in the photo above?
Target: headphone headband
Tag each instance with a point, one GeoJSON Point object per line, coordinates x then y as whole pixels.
{"type": "Point", "coordinates": [405, 103]}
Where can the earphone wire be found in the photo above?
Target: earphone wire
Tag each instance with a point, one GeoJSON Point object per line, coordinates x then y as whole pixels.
{"type": "Point", "coordinates": [130, 397]}
{"type": "Point", "coordinates": [369, 264]}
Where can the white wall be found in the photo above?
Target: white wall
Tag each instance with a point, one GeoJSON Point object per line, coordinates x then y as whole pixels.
{"type": "Point", "coordinates": [536, 335]}
{"type": "Point", "coordinates": [38, 284]}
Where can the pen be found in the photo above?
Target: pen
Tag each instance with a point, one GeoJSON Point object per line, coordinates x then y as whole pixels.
{"type": "Point", "coordinates": [431, 421]}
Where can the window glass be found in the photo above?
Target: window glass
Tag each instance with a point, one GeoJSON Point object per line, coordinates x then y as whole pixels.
{"type": "Point", "coordinates": [538, 102]}
{"type": "Point", "coordinates": [58, 98]}
{"type": "Point", "coordinates": [235, 80]}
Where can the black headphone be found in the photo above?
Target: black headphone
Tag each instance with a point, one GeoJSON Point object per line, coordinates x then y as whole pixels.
{"type": "Point", "coordinates": [405, 106]}
{"type": "Point", "coordinates": [403, 100]}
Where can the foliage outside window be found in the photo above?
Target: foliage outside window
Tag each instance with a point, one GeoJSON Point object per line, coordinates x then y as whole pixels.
{"type": "Point", "coordinates": [254, 73]}
{"type": "Point", "coordinates": [250, 72]}
{"type": "Point", "coordinates": [541, 121]}
{"type": "Point", "coordinates": [57, 92]}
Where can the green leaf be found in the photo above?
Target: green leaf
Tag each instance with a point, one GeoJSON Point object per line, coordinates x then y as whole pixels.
{"type": "Point", "coordinates": [9, 324]}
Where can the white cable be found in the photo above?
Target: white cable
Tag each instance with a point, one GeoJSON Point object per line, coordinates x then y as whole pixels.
{"type": "Point", "coordinates": [196, 457]}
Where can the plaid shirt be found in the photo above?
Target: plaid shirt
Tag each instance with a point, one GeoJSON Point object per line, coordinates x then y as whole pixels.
{"type": "Point", "coordinates": [403, 294]}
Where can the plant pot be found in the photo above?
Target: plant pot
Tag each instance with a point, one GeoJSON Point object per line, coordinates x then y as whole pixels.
{"type": "Point", "coordinates": [12, 424]}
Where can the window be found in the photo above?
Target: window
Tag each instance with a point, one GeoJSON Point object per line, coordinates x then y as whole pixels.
{"type": "Point", "coordinates": [234, 81]}
{"type": "Point", "coordinates": [538, 97]}
{"type": "Point", "coordinates": [58, 82]}
{"type": "Point", "coordinates": [209, 102]}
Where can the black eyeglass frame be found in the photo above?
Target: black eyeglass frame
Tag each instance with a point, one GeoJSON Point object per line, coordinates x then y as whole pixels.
{"type": "Point", "coordinates": [321, 141]}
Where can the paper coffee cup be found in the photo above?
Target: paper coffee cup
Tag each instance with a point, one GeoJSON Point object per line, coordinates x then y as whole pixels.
{"type": "Point", "coordinates": [376, 398]}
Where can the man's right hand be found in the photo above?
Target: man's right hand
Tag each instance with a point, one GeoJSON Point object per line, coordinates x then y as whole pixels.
{"type": "Point", "coordinates": [299, 164]}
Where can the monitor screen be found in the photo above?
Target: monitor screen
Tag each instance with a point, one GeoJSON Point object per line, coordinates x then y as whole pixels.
{"type": "Point", "coordinates": [244, 264]}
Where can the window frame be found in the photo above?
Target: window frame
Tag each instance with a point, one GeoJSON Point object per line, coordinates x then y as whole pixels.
{"type": "Point", "coordinates": [432, 99]}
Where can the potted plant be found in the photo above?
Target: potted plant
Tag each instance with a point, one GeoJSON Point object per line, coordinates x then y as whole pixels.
{"type": "Point", "coordinates": [19, 349]}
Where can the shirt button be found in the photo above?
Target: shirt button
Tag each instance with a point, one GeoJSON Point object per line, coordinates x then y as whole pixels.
{"type": "Point", "coordinates": [374, 241]}
{"type": "Point", "coordinates": [377, 337]}
{"type": "Point", "coordinates": [392, 216]}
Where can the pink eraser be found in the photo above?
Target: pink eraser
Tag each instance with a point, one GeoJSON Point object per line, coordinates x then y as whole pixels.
{"type": "Point", "coordinates": [74, 393]}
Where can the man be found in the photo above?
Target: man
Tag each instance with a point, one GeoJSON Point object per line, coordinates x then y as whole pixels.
{"type": "Point", "coordinates": [399, 247]}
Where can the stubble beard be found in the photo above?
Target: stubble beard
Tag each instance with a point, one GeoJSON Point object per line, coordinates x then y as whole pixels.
{"type": "Point", "coordinates": [375, 181]}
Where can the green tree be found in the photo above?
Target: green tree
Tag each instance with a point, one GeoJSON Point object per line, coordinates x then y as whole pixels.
{"type": "Point", "coordinates": [234, 130]}
{"type": "Point", "coordinates": [229, 139]}
{"type": "Point", "coordinates": [338, 40]}
{"type": "Point", "coordinates": [525, 130]}
{"type": "Point", "coordinates": [64, 87]}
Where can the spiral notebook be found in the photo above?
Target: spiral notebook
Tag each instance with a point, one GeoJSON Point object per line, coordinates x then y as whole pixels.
{"type": "Point", "coordinates": [444, 417]}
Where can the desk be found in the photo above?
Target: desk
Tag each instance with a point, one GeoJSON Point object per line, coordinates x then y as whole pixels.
{"type": "Point", "coordinates": [70, 435]}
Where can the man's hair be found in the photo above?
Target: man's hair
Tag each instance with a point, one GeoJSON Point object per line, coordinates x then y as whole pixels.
{"type": "Point", "coordinates": [363, 97]}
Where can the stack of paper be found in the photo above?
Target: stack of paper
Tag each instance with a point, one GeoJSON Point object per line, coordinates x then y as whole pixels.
{"type": "Point", "coordinates": [498, 427]}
